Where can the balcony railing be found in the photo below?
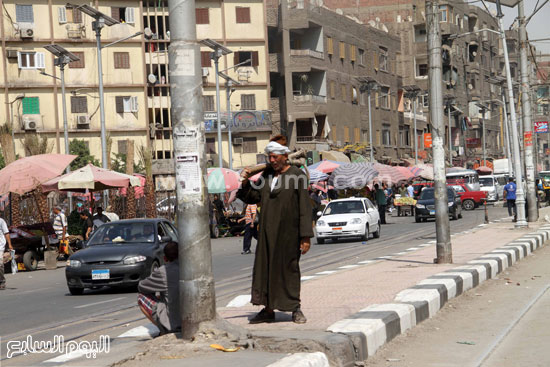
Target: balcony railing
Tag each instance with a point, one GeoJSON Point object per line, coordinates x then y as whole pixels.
{"type": "Point", "coordinates": [307, 52]}
{"type": "Point", "coordinates": [304, 139]}
{"type": "Point", "coordinates": [310, 98]}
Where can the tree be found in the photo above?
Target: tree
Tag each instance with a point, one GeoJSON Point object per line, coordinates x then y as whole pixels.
{"type": "Point", "coordinates": [146, 160]}
{"type": "Point", "coordinates": [79, 148]}
{"type": "Point", "coordinates": [119, 164]}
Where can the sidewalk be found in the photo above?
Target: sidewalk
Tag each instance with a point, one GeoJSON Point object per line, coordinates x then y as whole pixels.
{"type": "Point", "coordinates": [338, 297]}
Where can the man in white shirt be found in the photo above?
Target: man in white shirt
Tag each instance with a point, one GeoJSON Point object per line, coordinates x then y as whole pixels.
{"type": "Point", "coordinates": [110, 214]}
{"type": "Point", "coordinates": [60, 224]}
{"type": "Point", "coordinates": [410, 191]}
{"type": "Point", "coordinates": [4, 237]}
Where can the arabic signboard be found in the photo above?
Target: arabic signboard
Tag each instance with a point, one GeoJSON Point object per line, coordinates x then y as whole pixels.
{"type": "Point", "coordinates": [541, 126]}
{"type": "Point", "coordinates": [241, 121]}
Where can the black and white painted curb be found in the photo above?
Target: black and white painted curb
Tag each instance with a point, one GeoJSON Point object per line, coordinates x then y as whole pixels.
{"type": "Point", "coordinates": [377, 324]}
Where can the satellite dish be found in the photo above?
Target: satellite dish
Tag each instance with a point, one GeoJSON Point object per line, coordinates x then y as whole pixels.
{"type": "Point", "coordinates": [152, 78]}
{"type": "Point", "coordinates": [148, 33]}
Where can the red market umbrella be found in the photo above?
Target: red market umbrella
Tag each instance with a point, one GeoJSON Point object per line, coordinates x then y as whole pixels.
{"type": "Point", "coordinates": [26, 174]}
{"type": "Point", "coordinates": [222, 180]}
{"type": "Point", "coordinates": [389, 174]}
{"type": "Point", "coordinates": [325, 166]}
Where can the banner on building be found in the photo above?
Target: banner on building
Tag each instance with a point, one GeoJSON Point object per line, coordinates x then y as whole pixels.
{"type": "Point", "coordinates": [541, 126]}
{"type": "Point", "coordinates": [473, 143]}
{"type": "Point", "coordinates": [427, 140]}
{"type": "Point", "coordinates": [241, 121]}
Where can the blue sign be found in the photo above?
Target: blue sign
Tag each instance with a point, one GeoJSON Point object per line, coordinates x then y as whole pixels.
{"type": "Point", "coordinates": [241, 121]}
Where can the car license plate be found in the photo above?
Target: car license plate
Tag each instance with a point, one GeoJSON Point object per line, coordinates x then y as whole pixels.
{"type": "Point", "coordinates": [432, 212]}
{"type": "Point", "coordinates": [337, 229]}
{"type": "Point", "coordinates": [100, 274]}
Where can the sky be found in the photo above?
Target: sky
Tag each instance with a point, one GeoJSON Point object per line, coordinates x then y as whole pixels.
{"type": "Point", "coordinates": [537, 27]}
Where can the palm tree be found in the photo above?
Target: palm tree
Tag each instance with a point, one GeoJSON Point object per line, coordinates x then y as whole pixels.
{"type": "Point", "coordinates": [146, 157]}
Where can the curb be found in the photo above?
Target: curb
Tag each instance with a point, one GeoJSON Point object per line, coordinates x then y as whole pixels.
{"type": "Point", "coordinates": [374, 326]}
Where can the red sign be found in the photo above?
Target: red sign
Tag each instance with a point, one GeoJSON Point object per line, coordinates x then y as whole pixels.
{"type": "Point", "coordinates": [541, 126]}
{"type": "Point", "coordinates": [427, 140]}
{"type": "Point", "coordinates": [473, 143]}
{"type": "Point", "coordinates": [528, 138]}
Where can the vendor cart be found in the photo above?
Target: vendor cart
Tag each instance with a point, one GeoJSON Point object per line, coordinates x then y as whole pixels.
{"type": "Point", "coordinates": [404, 205]}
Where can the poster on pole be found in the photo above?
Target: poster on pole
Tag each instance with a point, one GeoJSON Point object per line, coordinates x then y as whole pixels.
{"type": "Point", "coordinates": [528, 138]}
{"type": "Point", "coordinates": [427, 140]}
{"type": "Point", "coordinates": [189, 173]}
{"type": "Point", "coordinates": [541, 126]}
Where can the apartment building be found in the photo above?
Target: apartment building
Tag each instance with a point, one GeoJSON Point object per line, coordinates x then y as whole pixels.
{"type": "Point", "coordinates": [33, 101]}
{"type": "Point", "coordinates": [319, 61]}
{"type": "Point", "coordinates": [470, 62]}
{"type": "Point", "coordinates": [241, 27]}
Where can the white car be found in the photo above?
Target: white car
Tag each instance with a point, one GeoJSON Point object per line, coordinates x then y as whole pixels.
{"type": "Point", "coordinates": [352, 217]}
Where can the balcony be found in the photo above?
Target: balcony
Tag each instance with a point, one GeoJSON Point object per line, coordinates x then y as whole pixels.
{"type": "Point", "coordinates": [312, 53]}
{"type": "Point", "coordinates": [308, 98]}
{"type": "Point", "coordinates": [307, 48]}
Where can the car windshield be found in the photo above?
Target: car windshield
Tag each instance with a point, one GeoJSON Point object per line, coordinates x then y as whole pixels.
{"type": "Point", "coordinates": [344, 207]}
{"type": "Point", "coordinates": [485, 181]}
{"type": "Point", "coordinates": [118, 232]}
{"type": "Point", "coordinates": [458, 188]}
{"type": "Point", "coordinates": [428, 194]}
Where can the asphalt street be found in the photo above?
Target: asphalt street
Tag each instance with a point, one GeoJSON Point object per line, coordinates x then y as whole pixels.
{"type": "Point", "coordinates": [39, 304]}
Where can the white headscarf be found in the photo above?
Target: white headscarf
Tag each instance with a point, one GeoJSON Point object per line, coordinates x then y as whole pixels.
{"type": "Point", "coordinates": [276, 148]}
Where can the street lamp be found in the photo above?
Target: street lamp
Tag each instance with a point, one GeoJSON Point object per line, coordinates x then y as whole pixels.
{"type": "Point", "coordinates": [368, 85]}
{"type": "Point", "coordinates": [219, 51]}
{"type": "Point", "coordinates": [230, 82]}
{"type": "Point", "coordinates": [483, 108]}
{"type": "Point", "coordinates": [411, 92]}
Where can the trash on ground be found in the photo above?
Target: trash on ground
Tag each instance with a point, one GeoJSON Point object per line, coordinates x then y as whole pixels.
{"type": "Point", "coordinates": [467, 343]}
{"type": "Point", "coordinates": [223, 349]}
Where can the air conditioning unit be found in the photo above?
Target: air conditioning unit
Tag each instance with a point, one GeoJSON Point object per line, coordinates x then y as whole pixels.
{"type": "Point", "coordinates": [30, 122]}
{"type": "Point", "coordinates": [82, 122]}
{"type": "Point", "coordinates": [26, 32]}
{"type": "Point", "coordinates": [237, 141]}
{"type": "Point", "coordinates": [11, 54]}
{"type": "Point", "coordinates": [205, 72]}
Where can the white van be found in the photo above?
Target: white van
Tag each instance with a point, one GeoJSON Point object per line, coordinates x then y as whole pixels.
{"type": "Point", "coordinates": [493, 185]}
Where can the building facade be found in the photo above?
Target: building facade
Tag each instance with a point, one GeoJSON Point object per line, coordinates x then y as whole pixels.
{"type": "Point", "coordinates": [33, 101]}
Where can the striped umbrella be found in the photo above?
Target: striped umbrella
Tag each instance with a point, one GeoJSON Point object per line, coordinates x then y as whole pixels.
{"type": "Point", "coordinates": [414, 170]}
{"type": "Point", "coordinates": [325, 166]}
{"type": "Point", "coordinates": [426, 171]}
{"type": "Point", "coordinates": [353, 175]}
{"type": "Point", "coordinates": [222, 180]}
{"type": "Point", "coordinates": [389, 174]}
{"type": "Point", "coordinates": [316, 176]}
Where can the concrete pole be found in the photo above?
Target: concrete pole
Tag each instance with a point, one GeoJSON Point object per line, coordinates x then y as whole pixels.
{"type": "Point", "coordinates": [520, 198]}
{"type": "Point", "coordinates": [450, 137]}
{"type": "Point", "coordinates": [65, 127]}
{"type": "Point", "coordinates": [216, 58]}
{"type": "Point", "coordinates": [507, 135]}
{"type": "Point", "coordinates": [442, 229]}
{"type": "Point", "coordinates": [415, 137]}
{"type": "Point", "coordinates": [533, 211]}
{"type": "Point", "coordinates": [229, 122]}
{"type": "Point", "coordinates": [370, 129]}
{"type": "Point", "coordinates": [197, 295]}
{"type": "Point", "coordinates": [484, 158]}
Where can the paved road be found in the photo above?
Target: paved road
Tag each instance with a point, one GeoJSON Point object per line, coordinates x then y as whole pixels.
{"type": "Point", "coordinates": [38, 303]}
{"type": "Point", "coordinates": [505, 322]}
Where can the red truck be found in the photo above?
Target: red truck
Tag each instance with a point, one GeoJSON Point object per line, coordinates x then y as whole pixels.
{"type": "Point", "coordinates": [470, 199]}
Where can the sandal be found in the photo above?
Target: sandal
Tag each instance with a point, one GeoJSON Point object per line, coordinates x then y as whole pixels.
{"type": "Point", "coordinates": [263, 316]}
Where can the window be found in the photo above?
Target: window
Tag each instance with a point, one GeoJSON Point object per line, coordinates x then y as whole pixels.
{"type": "Point", "coordinates": [356, 135]}
{"type": "Point", "coordinates": [206, 61]}
{"type": "Point", "coordinates": [425, 100]}
{"type": "Point", "coordinates": [361, 58]}
{"type": "Point", "coordinates": [443, 13]}
{"type": "Point", "coordinates": [354, 95]}
{"type": "Point", "coordinates": [122, 146]}
{"type": "Point", "coordinates": [31, 60]}
{"type": "Point", "coordinates": [353, 52]}
{"type": "Point", "coordinates": [124, 15]}
{"type": "Point", "coordinates": [126, 104]}
{"type": "Point", "coordinates": [421, 70]}
{"type": "Point", "coordinates": [80, 64]}
{"type": "Point", "coordinates": [210, 146]}
{"type": "Point", "coordinates": [346, 134]}
{"type": "Point", "coordinates": [404, 136]}
{"type": "Point", "coordinates": [385, 97]}
{"type": "Point", "coordinates": [77, 16]}
{"type": "Point", "coordinates": [243, 56]}
{"type": "Point", "coordinates": [69, 14]}
{"type": "Point", "coordinates": [31, 106]}
{"type": "Point", "coordinates": [250, 145]}
{"type": "Point", "coordinates": [24, 14]}
{"type": "Point", "coordinates": [208, 103]}
{"type": "Point", "coordinates": [330, 46]}
{"type": "Point", "coordinates": [79, 104]}
{"type": "Point", "coordinates": [332, 89]}
{"type": "Point", "coordinates": [383, 59]}
{"type": "Point", "coordinates": [457, 20]}
{"type": "Point", "coordinates": [420, 35]}
{"type": "Point", "coordinates": [342, 50]}
{"type": "Point", "coordinates": [386, 134]}
{"type": "Point", "coordinates": [344, 97]}
{"type": "Point", "coordinates": [242, 14]}
{"type": "Point", "coordinates": [122, 60]}
{"type": "Point", "coordinates": [202, 16]}
{"type": "Point", "coordinates": [248, 101]}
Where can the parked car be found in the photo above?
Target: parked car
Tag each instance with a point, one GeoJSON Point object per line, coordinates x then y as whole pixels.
{"type": "Point", "coordinates": [119, 254]}
{"type": "Point", "coordinates": [492, 186]}
{"type": "Point", "coordinates": [425, 206]}
{"type": "Point", "coordinates": [470, 199]}
{"type": "Point", "coordinates": [344, 218]}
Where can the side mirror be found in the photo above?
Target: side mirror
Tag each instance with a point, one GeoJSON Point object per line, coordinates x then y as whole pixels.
{"type": "Point", "coordinates": [164, 239]}
{"type": "Point", "coordinates": [319, 214]}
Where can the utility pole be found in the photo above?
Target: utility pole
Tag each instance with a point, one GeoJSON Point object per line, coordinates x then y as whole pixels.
{"type": "Point", "coordinates": [532, 207]}
{"type": "Point", "coordinates": [520, 198]}
{"type": "Point", "coordinates": [507, 134]}
{"type": "Point", "coordinates": [411, 92]}
{"type": "Point", "coordinates": [196, 282]}
{"type": "Point", "coordinates": [442, 229]}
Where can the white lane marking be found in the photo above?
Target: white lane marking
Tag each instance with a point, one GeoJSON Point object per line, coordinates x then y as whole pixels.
{"type": "Point", "coordinates": [400, 253]}
{"type": "Point", "coordinates": [383, 257]}
{"type": "Point", "coordinates": [327, 272]}
{"type": "Point", "coordinates": [141, 331]}
{"type": "Point", "coordinates": [434, 241]}
{"type": "Point", "coordinates": [67, 357]}
{"type": "Point", "coordinates": [239, 301]}
{"type": "Point", "coordinates": [348, 266]}
{"type": "Point", "coordinates": [307, 277]}
{"type": "Point", "coordinates": [366, 262]}
{"type": "Point", "coordinates": [33, 290]}
{"type": "Point", "coordinates": [98, 303]}
{"type": "Point", "coordinates": [317, 359]}
{"type": "Point", "coordinates": [413, 249]}
{"type": "Point", "coordinates": [425, 245]}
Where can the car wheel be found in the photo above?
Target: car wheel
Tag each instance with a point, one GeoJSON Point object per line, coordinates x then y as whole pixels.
{"type": "Point", "coordinates": [424, 219]}
{"type": "Point", "coordinates": [468, 204]}
{"type": "Point", "coordinates": [320, 241]}
{"type": "Point", "coordinates": [214, 231]}
{"type": "Point", "coordinates": [365, 237]}
{"type": "Point", "coordinates": [377, 233]}
{"type": "Point", "coordinates": [76, 291]}
{"type": "Point", "coordinates": [154, 266]}
{"type": "Point", "coordinates": [417, 219]}
{"type": "Point", "coordinates": [30, 259]}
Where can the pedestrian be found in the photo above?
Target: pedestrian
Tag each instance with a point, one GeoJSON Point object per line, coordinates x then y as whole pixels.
{"type": "Point", "coordinates": [510, 193]}
{"type": "Point", "coordinates": [4, 238]}
{"type": "Point", "coordinates": [389, 196]}
{"type": "Point", "coordinates": [87, 226]}
{"type": "Point", "coordinates": [249, 228]}
{"type": "Point", "coordinates": [99, 219]}
{"type": "Point", "coordinates": [410, 190]}
{"type": "Point", "coordinates": [284, 233]}
{"type": "Point", "coordinates": [109, 213]}
{"type": "Point", "coordinates": [59, 223]}
{"type": "Point", "coordinates": [315, 203]}
{"type": "Point", "coordinates": [380, 199]}
{"type": "Point", "coordinates": [158, 296]}
{"type": "Point", "coordinates": [403, 190]}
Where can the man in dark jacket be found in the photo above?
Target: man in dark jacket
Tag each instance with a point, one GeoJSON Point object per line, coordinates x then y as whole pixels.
{"type": "Point", "coordinates": [380, 198]}
{"type": "Point", "coordinates": [164, 281]}
{"type": "Point", "coordinates": [285, 230]}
